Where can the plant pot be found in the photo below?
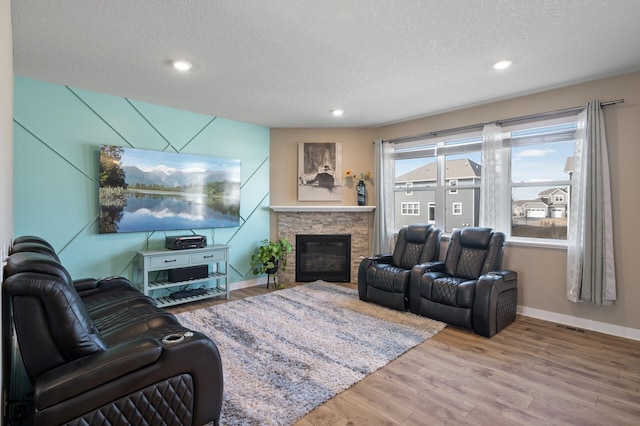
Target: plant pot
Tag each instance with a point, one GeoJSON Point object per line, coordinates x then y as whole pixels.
{"type": "Point", "coordinates": [270, 272]}
{"type": "Point", "coordinates": [273, 270]}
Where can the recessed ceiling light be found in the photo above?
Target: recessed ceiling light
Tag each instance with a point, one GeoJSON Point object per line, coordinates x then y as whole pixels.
{"type": "Point", "coordinates": [500, 65]}
{"type": "Point", "coordinates": [337, 112]}
{"type": "Point", "coordinates": [181, 65]}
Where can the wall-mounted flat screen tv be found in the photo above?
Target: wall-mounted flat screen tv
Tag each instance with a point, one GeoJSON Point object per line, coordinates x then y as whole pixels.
{"type": "Point", "coordinates": [142, 190]}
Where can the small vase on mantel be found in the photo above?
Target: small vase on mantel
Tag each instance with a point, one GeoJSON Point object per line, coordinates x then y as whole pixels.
{"type": "Point", "coordinates": [362, 193]}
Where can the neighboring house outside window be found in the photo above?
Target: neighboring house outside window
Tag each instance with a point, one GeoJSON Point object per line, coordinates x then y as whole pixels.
{"type": "Point", "coordinates": [425, 188]}
{"type": "Point", "coordinates": [543, 207]}
{"type": "Point", "coordinates": [541, 163]}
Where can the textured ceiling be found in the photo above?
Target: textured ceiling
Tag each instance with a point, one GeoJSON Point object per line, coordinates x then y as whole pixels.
{"type": "Point", "coordinates": [288, 63]}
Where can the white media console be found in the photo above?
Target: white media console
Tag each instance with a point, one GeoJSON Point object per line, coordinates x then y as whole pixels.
{"type": "Point", "coordinates": [154, 266]}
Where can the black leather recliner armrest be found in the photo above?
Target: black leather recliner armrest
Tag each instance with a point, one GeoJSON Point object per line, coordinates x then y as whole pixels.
{"type": "Point", "coordinates": [506, 274]}
{"type": "Point", "coordinates": [485, 304]}
{"type": "Point", "coordinates": [437, 266]}
{"type": "Point", "coordinates": [381, 258]}
{"type": "Point", "coordinates": [85, 284]}
{"type": "Point", "coordinates": [77, 377]}
{"type": "Point", "coordinates": [362, 271]}
{"type": "Point", "coordinates": [416, 273]}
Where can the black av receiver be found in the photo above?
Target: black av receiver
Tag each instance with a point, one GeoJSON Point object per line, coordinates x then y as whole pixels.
{"type": "Point", "coordinates": [182, 242]}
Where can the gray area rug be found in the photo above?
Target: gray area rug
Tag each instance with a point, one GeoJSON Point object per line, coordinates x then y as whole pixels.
{"type": "Point", "coordinates": [286, 352]}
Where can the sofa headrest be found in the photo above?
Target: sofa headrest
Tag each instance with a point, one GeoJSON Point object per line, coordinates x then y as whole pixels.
{"type": "Point", "coordinates": [32, 239]}
{"type": "Point", "coordinates": [36, 262]}
{"type": "Point", "coordinates": [417, 233]}
{"type": "Point", "coordinates": [34, 247]}
{"type": "Point", "coordinates": [477, 238]}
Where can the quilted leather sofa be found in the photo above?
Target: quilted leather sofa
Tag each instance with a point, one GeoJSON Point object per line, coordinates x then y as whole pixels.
{"type": "Point", "coordinates": [384, 278]}
{"type": "Point", "coordinates": [469, 288]}
{"type": "Point", "coordinates": [97, 351]}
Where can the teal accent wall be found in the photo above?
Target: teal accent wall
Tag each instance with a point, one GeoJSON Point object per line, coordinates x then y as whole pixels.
{"type": "Point", "coordinates": [57, 134]}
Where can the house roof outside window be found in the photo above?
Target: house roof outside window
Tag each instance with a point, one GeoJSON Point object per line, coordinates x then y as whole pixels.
{"type": "Point", "coordinates": [462, 168]}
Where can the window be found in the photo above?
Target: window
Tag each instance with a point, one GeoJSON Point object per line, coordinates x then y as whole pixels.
{"type": "Point", "coordinates": [447, 171]}
{"type": "Point", "coordinates": [453, 183]}
{"type": "Point", "coordinates": [409, 185]}
{"type": "Point", "coordinates": [541, 156]}
{"type": "Point", "coordinates": [441, 171]}
{"type": "Point", "coordinates": [410, 209]}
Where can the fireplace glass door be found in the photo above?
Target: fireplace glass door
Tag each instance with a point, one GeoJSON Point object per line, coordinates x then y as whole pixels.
{"type": "Point", "coordinates": [323, 257]}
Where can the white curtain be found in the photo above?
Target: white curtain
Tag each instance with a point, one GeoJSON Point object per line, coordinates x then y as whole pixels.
{"type": "Point", "coordinates": [383, 216]}
{"type": "Point", "coordinates": [495, 196]}
{"type": "Point", "coordinates": [590, 257]}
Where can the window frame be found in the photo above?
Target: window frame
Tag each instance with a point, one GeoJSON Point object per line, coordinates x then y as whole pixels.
{"type": "Point", "coordinates": [437, 148]}
{"type": "Point", "coordinates": [571, 124]}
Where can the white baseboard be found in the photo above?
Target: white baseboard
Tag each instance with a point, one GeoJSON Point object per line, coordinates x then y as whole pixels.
{"type": "Point", "coordinates": [601, 327]}
{"type": "Point", "coordinates": [249, 283]}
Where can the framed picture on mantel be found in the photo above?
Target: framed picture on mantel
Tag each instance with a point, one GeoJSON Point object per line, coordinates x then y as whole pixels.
{"type": "Point", "coordinates": [319, 171]}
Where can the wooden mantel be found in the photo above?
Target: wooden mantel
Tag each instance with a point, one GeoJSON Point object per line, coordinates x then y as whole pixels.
{"type": "Point", "coordinates": [335, 209]}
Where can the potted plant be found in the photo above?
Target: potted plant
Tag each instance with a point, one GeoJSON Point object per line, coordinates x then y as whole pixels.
{"type": "Point", "coordinates": [270, 256]}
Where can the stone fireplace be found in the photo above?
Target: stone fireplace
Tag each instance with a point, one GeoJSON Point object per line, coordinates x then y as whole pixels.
{"type": "Point", "coordinates": [354, 221]}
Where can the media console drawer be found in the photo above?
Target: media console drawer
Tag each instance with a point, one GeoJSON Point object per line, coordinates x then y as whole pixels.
{"type": "Point", "coordinates": [171, 261]}
{"type": "Point", "coordinates": [207, 257]}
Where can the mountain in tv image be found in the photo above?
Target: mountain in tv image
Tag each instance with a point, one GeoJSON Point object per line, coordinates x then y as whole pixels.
{"type": "Point", "coordinates": [172, 178]}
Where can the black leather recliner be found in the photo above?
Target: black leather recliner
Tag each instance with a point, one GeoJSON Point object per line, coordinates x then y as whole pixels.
{"type": "Point", "coordinates": [468, 289]}
{"type": "Point", "coordinates": [384, 278]}
{"type": "Point", "coordinates": [100, 352]}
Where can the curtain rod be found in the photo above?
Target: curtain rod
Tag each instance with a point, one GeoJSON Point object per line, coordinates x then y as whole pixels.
{"type": "Point", "coordinates": [555, 113]}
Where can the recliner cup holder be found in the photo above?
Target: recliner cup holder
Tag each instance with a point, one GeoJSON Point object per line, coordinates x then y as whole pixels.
{"type": "Point", "coordinates": [171, 339]}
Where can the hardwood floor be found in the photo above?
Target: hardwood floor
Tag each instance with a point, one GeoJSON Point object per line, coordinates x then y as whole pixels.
{"type": "Point", "coordinates": [532, 373]}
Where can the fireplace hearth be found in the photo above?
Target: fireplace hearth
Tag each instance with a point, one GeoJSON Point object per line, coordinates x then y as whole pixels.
{"type": "Point", "coordinates": [323, 257]}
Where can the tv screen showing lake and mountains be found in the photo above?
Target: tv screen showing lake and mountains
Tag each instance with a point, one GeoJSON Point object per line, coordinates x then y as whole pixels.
{"type": "Point", "coordinates": [144, 190]}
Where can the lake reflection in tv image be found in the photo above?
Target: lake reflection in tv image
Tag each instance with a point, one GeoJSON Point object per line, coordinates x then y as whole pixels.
{"type": "Point", "coordinates": [157, 191]}
{"type": "Point", "coordinates": [166, 212]}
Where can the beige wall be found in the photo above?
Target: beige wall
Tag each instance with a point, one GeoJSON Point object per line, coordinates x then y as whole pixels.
{"type": "Point", "coordinates": [357, 155]}
{"type": "Point", "coordinates": [542, 271]}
